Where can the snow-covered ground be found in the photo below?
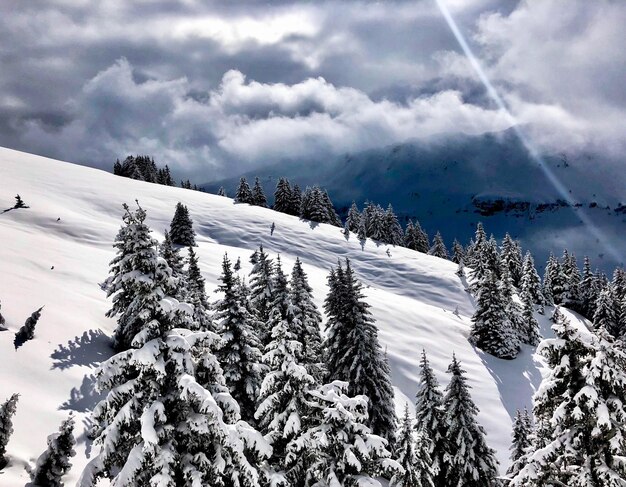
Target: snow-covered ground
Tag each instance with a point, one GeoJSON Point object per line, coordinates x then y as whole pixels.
{"type": "Point", "coordinates": [55, 253]}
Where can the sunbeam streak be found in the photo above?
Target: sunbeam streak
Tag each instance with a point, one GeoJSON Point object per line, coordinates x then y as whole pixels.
{"type": "Point", "coordinates": [532, 150]}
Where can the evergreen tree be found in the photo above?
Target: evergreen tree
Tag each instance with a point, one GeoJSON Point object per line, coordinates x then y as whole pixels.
{"type": "Point", "coordinates": [458, 252]}
{"type": "Point", "coordinates": [530, 282]}
{"type": "Point", "coordinates": [196, 295]}
{"type": "Point", "coordinates": [354, 218]}
{"type": "Point", "coordinates": [175, 262]}
{"type": "Point", "coordinates": [333, 218]}
{"type": "Point", "coordinates": [521, 441]}
{"type": "Point", "coordinates": [283, 196]}
{"type": "Point", "coordinates": [558, 279]}
{"type": "Point", "coordinates": [244, 193]}
{"type": "Point", "coordinates": [7, 410]}
{"type": "Point", "coordinates": [429, 417]}
{"type": "Point", "coordinates": [362, 232]}
{"type": "Point", "coordinates": [530, 327]}
{"type": "Point", "coordinates": [340, 449]}
{"type": "Point", "coordinates": [181, 228]}
{"type": "Point", "coordinates": [19, 203]}
{"type": "Point", "coordinates": [262, 290]}
{"type": "Point", "coordinates": [469, 461]}
{"type": "Point", "coordinates": [605, 315]}
{"type": "Point", "coordinates": [283, 405]}
{"type": "Point", "coordinates": [55, 461]}
{"type": "Point", "coordinates": [588, 289]}
{"type": "Point", "coordinates": [511, 256]}
{"type": "Point", "coordinates": [258, 195]}
{"type": "Point", "coordinates": [581, 413]}
{"type": "Point", "coordinates": [240, 356]}
{"type": "Point", "coordinates": [477, 249]}
{"type": "Point", "coordinates": [571, 295]}
{"type": "Point", "coordinates": [412, 453]}
{"type": "Point", "coordinates": [307, 321]}
{"type": "Point", "coordinates": [221, 191]}
{"type": "Point", "coordinates": [439, 247]}
{"type": "Point", "coordinates": [393, 230]}
{"type": "Point", "coordinates": [353, 353]}
{"type": "Point", "coordinates": [27, 331]}
{"type": "Point", "coordinates": [492, 330]}
{"type": "Point", "coordinates": [138, 280]}
{"type": "Point", "coordinates": [421, 238]}
{"type": "Point", "coordinates": [296, 201]}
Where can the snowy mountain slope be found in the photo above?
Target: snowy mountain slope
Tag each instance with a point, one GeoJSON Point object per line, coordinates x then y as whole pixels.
{"type": "Point", "coordinates": [59, 263]}
{"type": "Point", "coordinates": [452, 183]}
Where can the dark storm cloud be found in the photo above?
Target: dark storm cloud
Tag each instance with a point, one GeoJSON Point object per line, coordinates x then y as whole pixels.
{"type": "Point", "coordinates": [217, 87]}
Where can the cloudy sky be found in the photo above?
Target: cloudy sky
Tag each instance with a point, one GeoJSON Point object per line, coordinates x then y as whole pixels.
{"type": "Point", "coordinates": [217, 87]}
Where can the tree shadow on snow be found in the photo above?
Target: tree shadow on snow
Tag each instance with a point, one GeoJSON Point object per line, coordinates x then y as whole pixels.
{"type": "Point", "coordinates": [517, 380]}
{"type": "Point", "coordinates": [89, 349]}
{"type": "Point", "coordinates": [84, 398]}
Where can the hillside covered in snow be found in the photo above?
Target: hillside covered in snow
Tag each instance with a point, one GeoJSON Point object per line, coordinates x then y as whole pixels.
{"type": "Point", "coordinates": [56, 253]}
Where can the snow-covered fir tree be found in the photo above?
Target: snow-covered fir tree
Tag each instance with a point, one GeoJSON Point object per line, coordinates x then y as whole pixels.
{"type": "Point", "coordinates": [196, 294]}
{"type": "Point", "coordinates": [571, 297]}
{"type": "Point", "coordinates": [283, 406]}
{"type": "Point", "coordinates": [580, 406]}
{"type": "Point", "coordinates": [340, 449]}
{"type": "Point", "coordinates": [7, 410]}
{"type": "Point", "coordinates": [175, 261]}
{"type": "Point", "coordinates": [353, 353]}
{"type": "Point", "coordinates": [296, 201]}
{"type": "Point", "coordinates": [240, 355]}
{"type": "Point", "coordinates": [588, 290]}
{"type": "Point", "coordinates": [19, 202]}
{"type": "Point", "coordinates": [529, 330]}
{"type": "Point", "coordinates": [511, 256]}
{"type": "Point", "coordinates": [317, 207]}
{"type": "Point", "coordinates": [258, 195]}
{"type": "Point", "coordinates": [556, 278]}
{"type": "Point", "coordinates": [333, 218]}
{"type": "Point", "coordinates": [27, 331]}
{"type": "Point", "coordinates": [458, 252]}
{"type": "Point", "coordinates": [221, 191]}
{"type": "Point", "coordinates": [605, 315]}
{"type": "Point", "coordinates": [393, 229]}
{"type": "Point", "coordinates": [530, 281]}
{"type": "Point", "coordinates": [438, 248]}
{"type": "Point", "coordinates": [521, 440]}
{"type": "Point", "coordinates": [412, 452]}
{"type": "Point", "coordinates": [353, 220]}
{"type": "Point", "coordinates": [492, 329]}
{"type": "Point", "coordinates": [469, 462]}
{"type": "Point", "coordinates": [429, 417]}
{"type": "Point", "coordinates": [282, 196]}
{"type": "Point", "coordinates": [306, 321]}
{"type": "Point", "coordinates": [262, 290]}
{"type": "Point", "coordinates": [55, 461]}
{"type": "Point", "coordinates": [139, 280]}
{"type": "Point", "coordinates": [477, 248]}
{"type": "Point", "coordinates": [181, 228]}
{"type": "Point", "coordinates": [244, 193]}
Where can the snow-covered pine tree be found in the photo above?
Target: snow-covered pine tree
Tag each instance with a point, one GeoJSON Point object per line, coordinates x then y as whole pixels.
{"type": "Point", "coordinates": [139, 280]}
{"type": "Point", "coordinates": [410, 241]}
{"type": "Point", "coordinates": [512, 258]}
{"type": "Point", "coordinates": [513, 310]}
{"type": "Point", "coordinates": [27, 331]}
{"type": "Point", "coordinates": [282, 196]}
{"type": "Point", "coordinates": [557, 279]}
{"type": "Point", "coordinates": [221, 191]}
{"type": "Point", "coordinates": [458, 252]}
{"type": "Point", "coordinates": [588, 289]}
{"type": "Point", "coordinates": [55, 461]}
{"type": "Point", "coordinates": [429, 417]}
{"type": "Point", "coordinates": [353, 219]}
{"type": "Point", "coordinates": [174, 260]}
{"type": "Point", "coordinates": [339, 450]}
{"type": "Point", "coordinates": [7, 410]}
{"type": "Point", "coordinates": [476, 249]}
{"type": "Point", "coordinates": [530, 282]}
{"type": "Point", "coordinates": [196, 294]}
{"type": "Point", "coordinates": [240, 355]}
{"type": "Point", "coordinates": [580, 406]}
{"type": "Point", "coordinates": [262, 290]}
{"type": "Point", "coordinates": [296, 201]}
{"type": "Point", "coordinates": [421, 238]}
{"type": "Point", "coordinates": [362, 231]}
{"type": "Point", "coordinates": [375, 222]}
{"type": "Point", "coordinates": [393, 229]}
{"type": "Point", "coordinates": [438, 248]}
{"type": "Point", "coordinates": [605, 315]}
{"type": "Point", "coordinates": [307, 321]}
{"type": "Point", "coordinates": [412, 452]}
{"type": "Point", "coordinates": [492, 330]}
{"type": "Point", "coordinates": [521, 440]}
{"type": "Point", "coordinates": [332, 217]}
{"type": "Point", "coordinates": [353, 353]}
{"type": "Point", "coordinates": [283, 405]}
{"type": "Point", "coordinates": [571, 295]}
{"type": "Point", "coordinates": [258, 195]}
{"type": "Point", "coordinates": [469, 462]}
{"type": "Point", "coordinates": [181, 228]}
{"type": "Point", "coordinates": [530, 327]}
{"type": "Point", "coordinates": [244, 193]}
